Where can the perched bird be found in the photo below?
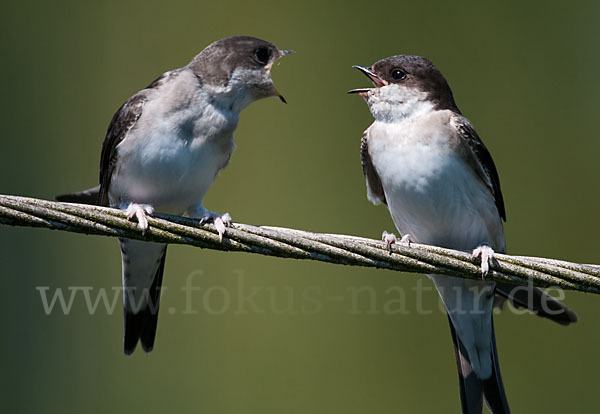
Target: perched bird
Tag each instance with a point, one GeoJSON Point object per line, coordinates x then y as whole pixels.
{"type": "Point", "coordinates": [163, 150]}
{"type": "Point", "coordinates": [425, 161]}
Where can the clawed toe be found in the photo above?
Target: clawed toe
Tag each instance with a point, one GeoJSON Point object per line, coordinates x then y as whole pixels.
{"type": "Point", "coordinates": [140, 212]}
{"type": "Point", "coordinates": [486, 254]}
{"type": "Point", "coordinates": [220, 221]}
{"type": "Point", "coordinates": [405, 239]}
{"type": "Point", "coordinates": [389, 239]}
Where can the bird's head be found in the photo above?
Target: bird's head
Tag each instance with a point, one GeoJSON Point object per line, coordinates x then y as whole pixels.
{"type": "Point", "coordinates": [238, 69]}
{"type": "Point", "coordinates": [404, 85]}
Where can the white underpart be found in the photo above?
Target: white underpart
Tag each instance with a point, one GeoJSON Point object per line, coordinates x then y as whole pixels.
{"type": "Point", "coordinates": [168, 161]}
{"type": "Point", "coordinates": [240, 80]}
{"type": "Point", "coordinates": [172, 156]}
{"type": "Point", "coordinates": [437, 198]}
{"type": "Point", "coordinates": [395, 102]}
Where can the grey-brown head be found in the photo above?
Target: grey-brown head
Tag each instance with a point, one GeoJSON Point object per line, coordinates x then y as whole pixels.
{"type": "Point", "coordinates": [406, 80]}
{"type": "Point", "coordinates": [239, 66]}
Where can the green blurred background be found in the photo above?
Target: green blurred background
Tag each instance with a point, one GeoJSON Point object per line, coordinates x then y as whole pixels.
{"type": "Point", "coordinates": [525, 73]}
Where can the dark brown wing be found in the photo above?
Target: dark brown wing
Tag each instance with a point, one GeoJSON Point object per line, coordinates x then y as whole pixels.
{"type": "Point", "coordinates": [484, 159]}
{"type": "Point", "coordinates": [122, 122]}
{"type": "Point", "coordinates": [374, 187]}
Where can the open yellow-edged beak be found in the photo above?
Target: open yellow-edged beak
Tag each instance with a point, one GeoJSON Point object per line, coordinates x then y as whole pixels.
{"type": "Point", "coordinates": [280, 96]}
{"type": "Point", "coordinates": [377, 81]}
{"type": "Point", "coordinates": [282, 53]}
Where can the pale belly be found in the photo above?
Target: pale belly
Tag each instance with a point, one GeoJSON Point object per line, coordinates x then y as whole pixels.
{"type": "Point", "coordinates": [437, 197]}
{"type": "Point", "coordinates": [171, 175]}
{"type": "Point", "coordinates": [434, 196]}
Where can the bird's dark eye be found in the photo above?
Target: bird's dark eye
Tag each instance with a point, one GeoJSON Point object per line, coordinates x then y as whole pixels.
{"type": "Point", "coordinates": [262, 55]}
{"type": "Point", "coordinates": [398, 74]}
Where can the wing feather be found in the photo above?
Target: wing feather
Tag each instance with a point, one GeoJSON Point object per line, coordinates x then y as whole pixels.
{"type": "Point", "coordinates": [375, 191]}
{"type": "Point", "coordinates": [484, 164]}
{"type": "Point", "coordinates": [121, 124]}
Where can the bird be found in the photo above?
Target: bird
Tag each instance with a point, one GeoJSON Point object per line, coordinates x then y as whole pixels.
{"type": "Point", "coordinates": [424, 160]}
{"type": "Point", "coordinates": [162, 151]}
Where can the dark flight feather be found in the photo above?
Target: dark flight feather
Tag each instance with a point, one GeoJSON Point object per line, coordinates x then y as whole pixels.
{"type": "Point", "coordinates": [89, 196]}
{"type": "Point", "coordinates": [375, 188]}
{"type": "Point", "coordinates": [536, 300]}
{"type": "Point", "coordinates": [123, 121]}
{"type": "Point", "coordinates": [473, 390]}
{"type": "Point", "coordinates": [482, 155]}
{"type": "Point", "coordinates": [142, 325]}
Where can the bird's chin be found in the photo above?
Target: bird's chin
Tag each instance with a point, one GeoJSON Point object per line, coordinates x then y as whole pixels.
{"type": "Point", "coordinates": [274, 92]}
{"type": "Point", "coordinates": [258, 95]}
{"type": "Point", "coordinates": [269, 91]}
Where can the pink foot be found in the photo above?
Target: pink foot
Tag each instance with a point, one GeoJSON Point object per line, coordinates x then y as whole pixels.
{"type": "Point", "coordinates": [486, 254]}
{"type": "Point", "coordinates": [389, 239]}
{"type": "Point", "coordinates": [140, 211]}
{"type": "Point", "coordinates": [221, 221]}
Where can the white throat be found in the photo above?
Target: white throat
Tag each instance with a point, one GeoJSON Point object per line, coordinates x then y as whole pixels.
{"type": "Point", "coordinates": [395, 103]}
{"type": "Point", "coordinates": [238, 93]}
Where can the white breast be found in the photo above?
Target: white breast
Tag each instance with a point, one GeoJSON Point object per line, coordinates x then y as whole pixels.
{"type": "Point", "coordinates": [432, 193]}
{"type": "Point", "coordinates": [171, 157]}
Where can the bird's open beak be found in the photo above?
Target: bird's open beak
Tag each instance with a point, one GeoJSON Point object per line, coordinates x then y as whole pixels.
{"type": "Point", "coordinates": [280, 96]}
{"type": "Point", "coordinates": [377, 81]}
{"type": "Point", "coordinates": [282, 53]}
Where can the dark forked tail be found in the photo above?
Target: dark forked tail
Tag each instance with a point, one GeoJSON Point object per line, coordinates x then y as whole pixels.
{"type": "Point", "coordinates": [142, 325]}
{"type": "Point", "coordinates": [474, 390]}
{"type": "Point", "coordinates": [536, 300]}
{"type": "Point", "coordinates": [89, 196]}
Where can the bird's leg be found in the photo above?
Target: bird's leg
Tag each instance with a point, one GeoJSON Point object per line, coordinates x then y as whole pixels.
{"type": "Point", "coordinates": [486, 254]}
{"type": "Point", "coordinates": [140, 211]}
{"type": "Point", "coordinates": [405, 239]}
{"type": "Point", "coordinates": [389, 239]}
{"type": "Point", "coordinates": [221, 221]}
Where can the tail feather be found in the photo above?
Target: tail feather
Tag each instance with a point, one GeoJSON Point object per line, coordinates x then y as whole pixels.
{"type": "Point", "coordinates": [89, 196]}
{"type": "Point", "coordinates": [473, 390]}
{"type": "Point", "coordinates": [132, 330]}
{"type": "Point", "coordinates": [148, 334]}
{"type": "Point", "coordinates": [537, 301]}
{"type": "Point", "coordinates": [142, 325]}
{"type": "Point", "coordinates": [493, 388]}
